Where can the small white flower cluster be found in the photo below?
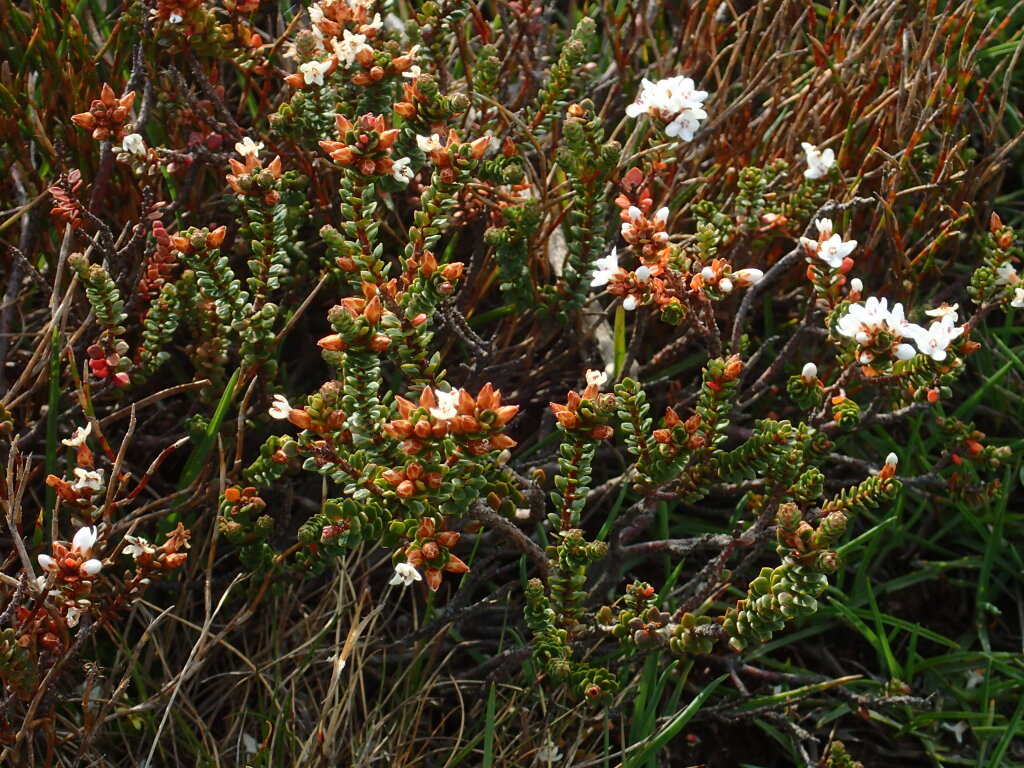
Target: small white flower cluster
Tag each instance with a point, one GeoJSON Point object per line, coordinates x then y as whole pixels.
{"type": "Point", "coordinates": [405, 575]}
{"type": "Point", "coordinates": [401, 172]}
{"type": "Point", "coordinates": [313, 71]}
{"type": "Point", "coordinates": [819, 162]}
{"type": "Point", "coordinates": [1007, 275]}
{"type": "Point", "coordinates": [863, 322]}
{"type": "Point", "coordinates": [741, 277]}
{"type": "Point", "coordinates": [247, 147]}
{"type": "Point", "coordinates": [637, 219]}
{"type": "Point", "coordinates": [280, 408]}
{"type": "Point", "coordinates": [82, 546]}
{"type": "Point", "coordinates": [675, 101]}
{"type": "Point", "coordinates": [87, 479]}
{"type": "Point", "coordinates": [606, 269]}
{"type": "Point", "coordinates": [447, 404]}
{"type": "Point", "coordinates": [349, 47]}
{"type": "Point", "coordinates": [829, 247]}
{"type": "Point", "coordinates": [134, 144]}
{"type": "Point", "coordinates": [78, 436]}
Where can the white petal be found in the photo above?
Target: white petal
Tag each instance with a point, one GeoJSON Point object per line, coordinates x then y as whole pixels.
{"type": "Point", "coordinates": [91, 567]}
{"type": "Point", "coordinates": [84, 540]}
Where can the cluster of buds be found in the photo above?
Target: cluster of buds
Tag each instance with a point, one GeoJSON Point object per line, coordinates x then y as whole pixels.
{"type": "Point", "coordinates": [644, 232]}
{"type": "Point", "coordinates": [108, 115]}
{"type": "Point", "coordinates": [108, 359]}
{"type": "Point", "coordinates": [430, 552]}
{"type": "Point", "coordinates": [699, 430]}
{"type": "Point", "coordinates": [641, 622]}
{"type": "Point", "coordinates": [64, 193]}
{"type": "Point", "coordinates": [332, 18]}
{"type": "Point", "coordinates": [375, 65]}
{"type": "Point", "coordinates": [413, 480]}
{"type": "Point", "coordinates": [177, 12]}
{"type": "Point", "coordinates": [718, 278]}
{"type": "Point", "coordinates": [160, 266]}
{"type": "Point", "coordinates": [237, 511]}
{"type": "Point", "coordinates": [165, 557]}
{"type": "Point", "coordinates": [677, 432]}
{"type": "Point", "coordinates": [251, 178]}
{"type": "Point", "coordinates": [808, 545]}
{"type": "Point", "coordinates": [423, 103]}
{"type": "Point", "coordinates": [806, 389]}
{"type": "Point", "coordinates": [442, 277]}
{"type": "Point", "coordinates": [73, 563]}
{"type": "Point", "coordinates": [451, 157]}
{"type": "Point", "coordinates": [366, 146]}
{"type": "Point", "coordinates": [199, 240]}
{"type": "Point", "coordinates": [355, 322]}
{"type": "Point", "coordinates": [477, 422]}
{"type": "Point", "coordinates": [586, 412]}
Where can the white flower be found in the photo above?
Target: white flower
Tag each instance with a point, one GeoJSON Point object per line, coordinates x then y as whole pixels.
{"type": "Point", "coordinates": [429, 144]}
{"type": "Point", "coordinates": [892, 459]}
{"type": "Point", "coordinates": [78, 436]}
{"type": "Point", "coordinates": [809, 372]}
{"type": "Point", "coordinates": [834, 250]}
{"type": "Point", "coordinates": [175, 18]}
{"type": "Point", "coordinates": [247, 147]}
{"type": "Point", "coordinates": [83, 542]}
{"type": "Point", "coordinates": [548, 752]}
{"type": "Point", "coordinates": [350, 46]}
{"type": "Point", "coordinates": [958, 730]}
{"type": "Point", "coordinates": [47, 563]}
{"type": "Point", "coordinates": [447, 404]}
{"type": "Point", "coordinates": [522, 514]}
{"type": "Point", "coordinates": [73, 615]}
{"type": "Point", "coordinates": [829, 247]}
{"type": "Point", "coordinates": [944, 311]}
{"type": "Point", "coordinates": [606, 269]}
{"type": "Point", "coordinates": [1018, 298]}
{"type": "Point", "coordinates": [899, 324]}
{"type": "Point", "coordinates": [377, 23]}
{"type": "Point", "coordinates": [281, 408]}
{"type": "Point", "coordinates": [936, 339]}
{"type": "Point", "coordinates": [87, 479]}
{"type": "Point", "coordinates": [643, 274]}
{"type": "Point", "coordinates": [748, 276]}
{"type": "Point", "coordinates": [405, 575]}
{"type": "Point", "coordinates": [596, 378]}
{"type": "Point", "coordinates": [675, 101]}
{"type": "Point", "coordinates": [818, 162]}
{"type": "Point", "coordinates": [975, 677]}
{"type": "Point", "coordinates": [401, 171]}
{"type": "Point", "coordinates": [316, 13]}
{"type": "Point", "coordinates": [91, 567]}
{"type": "Point", "coordinates": [1006, 274]}
{"type": "Point", "coordinates": [708, 274]}
{"type": "Point", "coordinates": [629, 303]}
{"type": "Point", "coordinates": [413, 72]}
{"type": "Point", "coordinates": [137, 546]}
{"type": "Point", "coordinates": [313, 71]}
{"type": "Point", "coordinates": [862, 321]}
{"type": "Point", "coordinates": [133, 144]}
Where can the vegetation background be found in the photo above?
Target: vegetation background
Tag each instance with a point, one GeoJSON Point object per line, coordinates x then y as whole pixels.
{"type": "Point", "coordinates": [914, 657]}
